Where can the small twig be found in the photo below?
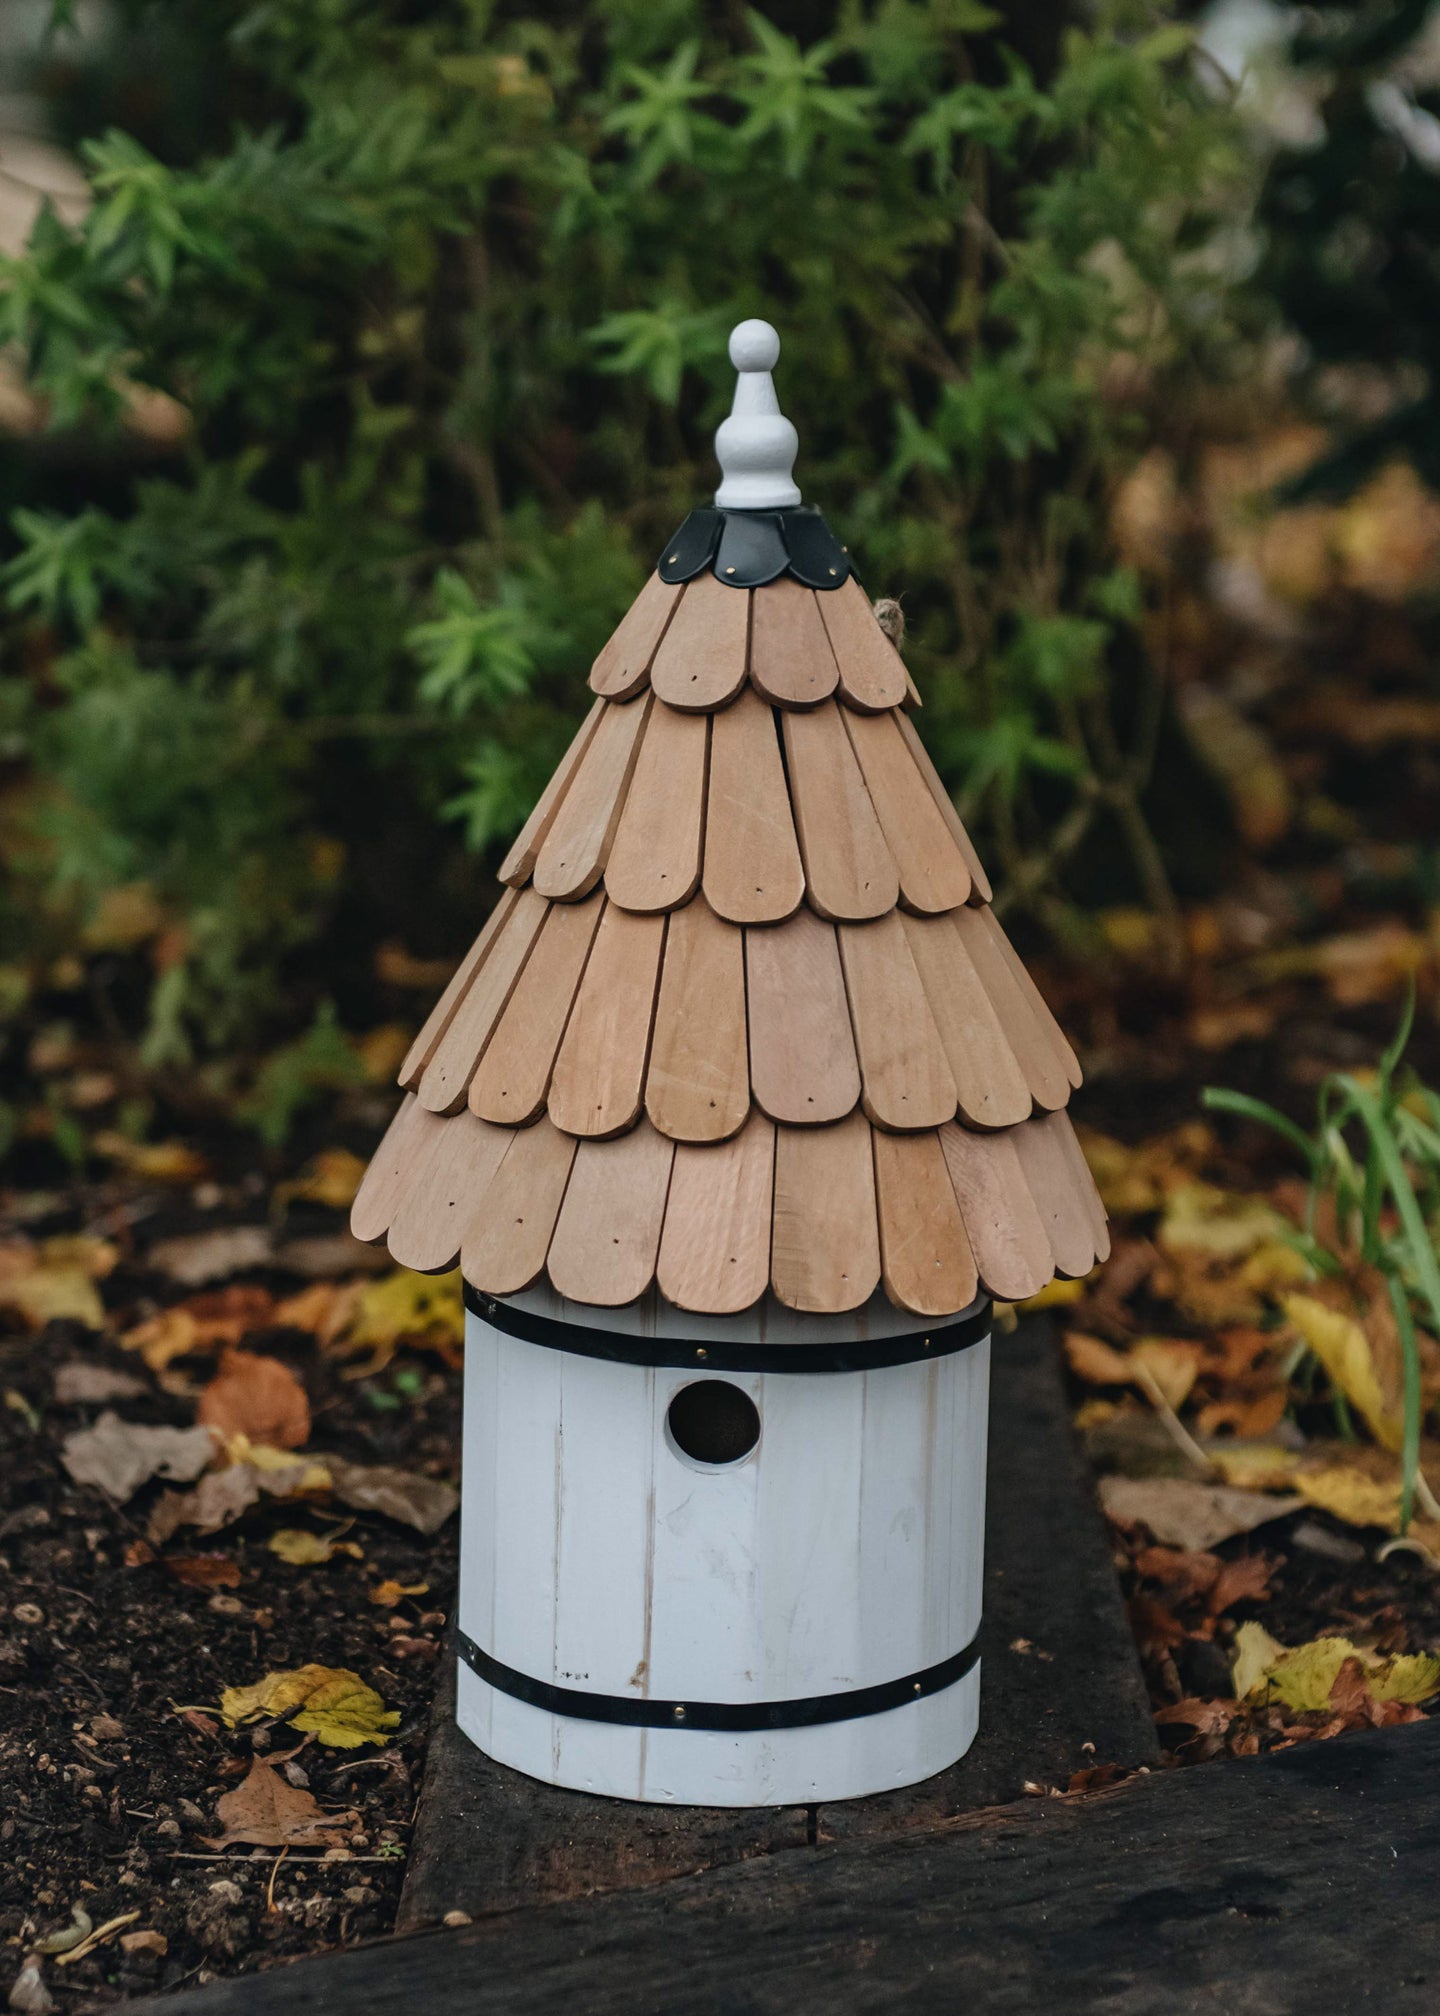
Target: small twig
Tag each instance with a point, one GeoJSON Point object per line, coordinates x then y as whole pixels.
{"type": "Point", "coordinates": [1172, 1424]}
{"type": "Point", "coordinates": [270, 1886]}
{"type": "Point", "coordinates": [98, 1937]}
{"type": "Point", "coordinates": [193, 1855]}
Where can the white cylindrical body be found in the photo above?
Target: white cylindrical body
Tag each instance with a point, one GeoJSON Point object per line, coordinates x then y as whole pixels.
{"type": "Point", "coordinates": [792, 1625]}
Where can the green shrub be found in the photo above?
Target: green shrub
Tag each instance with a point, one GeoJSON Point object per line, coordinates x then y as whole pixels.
{"type": "Point", "coordinates": [446, 307]}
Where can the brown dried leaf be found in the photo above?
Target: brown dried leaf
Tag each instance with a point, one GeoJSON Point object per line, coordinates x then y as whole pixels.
{"type": "Point", "coordinates": [1183, 1513]}
{"type": "Point", "coordinates": [267, 1812]}
{"type": "Point", "coordinates": [119, 1456]}
{"type": "Point", "coordinates": [257, 1397]}
{"type": "Point", "coordinates": [205, 1571]}
{"type": "Point", "coordinates": [422, 1502]}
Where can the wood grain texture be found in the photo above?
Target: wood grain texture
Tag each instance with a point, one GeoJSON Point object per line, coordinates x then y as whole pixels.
{"type": "Point", "coordinates": [752, 856]}
{"type": "Point", "coordinates": [925, 1258]}
{"type": "Point", "coordinates": [990, 1086]}
{"type": "Point", "coordinates": [1034, 1050]}
{"type": "Point", "coordinates": [443, 1195]}
{"type": "Point", "coordinates": [981, 892]}
{"type": "Point", "coordinates": [872, 672]}
{"type": "Point", "coordinates": [933, 877]}
{"type": "Point", "coordinates": [906, 1080]}
{"type": "Point", "coordinates": [509, 1235]}
{"type": "Point", "coordinates": [404, 1147]}
{"type": "Point", "coordinates": [850, 873]}
{"type": "Point", "coordinates": [1061, 1201]}
{"type": "Point", "coordinates": [791, 661]}
{"type": "Point", "coordinates": [519, 863]}
{"type": "Point", "coordinates": [1069, 1062]}
{"type": "Point", "coordinates": [513, 1077]}
{"type": "Point", "coordinates": [825, 1241]}
{"type": "Point", "coordinates": [1063, 1128]}
{"type": "Point", "coordinates": [654, 861]}
{"type": "Point", "coordinates": [702, 659]}
{"type": "Point", "coordinates": [1009, 1241]}
{"type": "Point", "coordinates": [803, 1067]}
{"type": "Point", "coordinates": [624, 662]}
{"type": "Point", "coordinates": [457, 987]}
{"type": "Point", "coordinates": [577, 846]}
{"type": "Point", "coordinates": [608, 1232]}
{"type": "Point", "coordinates": [599, 1072]}
{"type": "Point", "coordinates": [698, 1085]}
{"type": "Point", "coordinates": [446, 1078]}
{"type": "Point", "coordinates": [715, 1249]}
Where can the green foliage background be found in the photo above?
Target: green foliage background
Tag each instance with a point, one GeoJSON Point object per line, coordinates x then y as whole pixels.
{"type": "Point", "coordinates": [444, 291]}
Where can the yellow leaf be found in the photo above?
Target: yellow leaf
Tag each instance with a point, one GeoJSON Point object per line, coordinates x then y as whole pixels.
{"type": "Point", "coordinates": [1347, 1493]}
{"type": "Point", "coordinates": [312, 1474]}
{"type": "Point", "coordinates": [389, 1592]}
{"type": "Point", "coordinates": [383, 1050]}
{"type": "Point", "coordinates": [333, 1703]}
{"type": "Point", "coordinates": [332, 1177]}
{"type": "Point", "coordinates": [1344, 1350]}
{"type": "Point", "coordinates": [1171, 1364]}
{"type": "Point", "coordinates": [1055, 1294]}
{"type": "Point", "coordinates": [55, 1278]}
{"type": "Point", "coordinates": [1301, 1678]}
{"type": "Point", "coordinates": [1274, 1266]}
{"type": "Point", "coordinates": [153, 1161]}
{"type": "Point", "coordinates": [406, 1307]}
{"type": "Point", "coordinates": [303, 1549]}
{"type": "Point", "coordinates": [1092, 1359]}
{"type": "Point", "coordinates": [1219, 1223]}
{"type": "Point", "coordinates": [1255, 1466]}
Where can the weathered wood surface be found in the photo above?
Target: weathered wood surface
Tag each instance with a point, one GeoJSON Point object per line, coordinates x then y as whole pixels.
{"type": "Point", "coordinates": [1300, 1881]}
{"type": "Point", "coordinates": [1060, 1672]}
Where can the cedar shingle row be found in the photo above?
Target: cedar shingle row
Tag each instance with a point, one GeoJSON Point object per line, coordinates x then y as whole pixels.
{"type": "Point", "coordinates": [742, 1017]}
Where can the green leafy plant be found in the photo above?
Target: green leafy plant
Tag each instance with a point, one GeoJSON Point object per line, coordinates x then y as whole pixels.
{"type": "Point", "coordinates": [441, 323]}
{"type": "Point", "coordinates": [1373, 1162]}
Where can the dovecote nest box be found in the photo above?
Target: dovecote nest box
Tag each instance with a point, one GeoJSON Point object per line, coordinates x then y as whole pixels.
{"type": "Point", "coordinates": [736, 1114]}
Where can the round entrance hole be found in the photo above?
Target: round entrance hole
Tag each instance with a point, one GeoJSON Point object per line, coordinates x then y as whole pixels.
{"type": "Point", "coordinates": [713, 1423]}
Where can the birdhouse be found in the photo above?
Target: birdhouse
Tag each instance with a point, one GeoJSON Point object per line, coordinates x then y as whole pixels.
{"type": "Point", "coordinates": [736, 1115]}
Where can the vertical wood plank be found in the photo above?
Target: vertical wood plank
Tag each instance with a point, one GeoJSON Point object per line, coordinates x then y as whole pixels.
{"type": "Point", "coordinates": [992, 1089]}
{"type": "Point", "coordinates": [933, 877]}
{"type": "Point", "coordinates": [926, 1262]}
{"type": "Point", "coordinates": [1034, 1050]}
{"type": "Point", "coordinates": [1061, 1202]}
{"type": "Point", "coordinates": [457, 987]}
{"type": "Point", "coordinates": [577, 846]}
{"type": "Point", "coordinates": [599, 1072]}
{"type": "Point", "coordinates": [981, 891]}
{"type": "Point", "coordinates": [698, 1085]}
{"type": "Point", "coordinates": [791, 661]}
{"type": "Point", "coordinates": [446, 1078]}
{"type": "Point", "coordinates": [1040, 1007]}
{"type": "Point", "coordinates": [752, 856]}
{"type": "Point", "coordinates": [872, 672]}
{"type": "Point", "coordinates": [702, 659]}
{"type": "Point", "coordinates": [906, 1079]}
{"type": "Point", "coordinates": [519, 863]}
{"type": "Point", "coordinates": [443, 1194]}
{"type": "Point", "coordinates": [505, 1245]}
{"type": "Point", "coordinates": [624, 662]}
{"type": "Point", "coordinates": [803, 1067]}
{"type": "Point", "coordinates": [608, 1231]}
{"type": "Point", "coordinates": [1009, 1241]}
{"type": "Point", "coordinates": [513, 1078]}
{"type": "Point", "coordinates": [715, 1248]}
{"type": "Point", "coordinates": [405, 1147]}
{"type": "Point", "coordinates": [1085, 1184]}
{"type": "Point", "coordinates": [654, 860]}
{"type": "Point", "coordinates": [825, 1246]}
{"type": "Point", "coordinates": [850, 873]}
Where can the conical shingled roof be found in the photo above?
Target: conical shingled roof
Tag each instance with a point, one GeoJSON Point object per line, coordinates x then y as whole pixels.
{"type": "Point", "coordinates": [743, 1018]}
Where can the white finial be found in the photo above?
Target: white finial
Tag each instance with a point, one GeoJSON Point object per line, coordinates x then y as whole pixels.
{"type": "Point", "coordinates": [756, 446]}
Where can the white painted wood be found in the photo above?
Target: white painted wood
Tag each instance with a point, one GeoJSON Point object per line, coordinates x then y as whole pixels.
{"type": "Point", "coordinates": [756, 447]}
{"type": "Point", "coordinates": [844, 1551]}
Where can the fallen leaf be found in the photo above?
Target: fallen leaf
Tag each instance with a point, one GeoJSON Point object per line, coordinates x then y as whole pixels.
{"type": "Point", "coordinates": [303, 1549]}
{"type": "Point", "coordinates": [1221, 1224]}
{"type": "Point", "coordinates": [120, 1456]}
{"type": "Point", "coordinates": [1344, 1491]}
{"type": "Point", "coordinates": [322, 1310]}
{"type": "Point", "coordinates": [389, 1593]}
{"type": "Point", "coordinates": [1344, 1350]}
{"type": "Point", "coordinates": [1181, 1512]}
{"type": "Point", "coordinates": [1209, 1718]}
{"type": "Point", "coordinates": [218, 1500]}
{"type": "Point", "coordinates": [422, 1502]}
{"type": "Point", "coordinates": [199, 1257]}
{"type": "Point", "coordinates": [1168, 1364]}
{"type": "Point", "coordinates": [80, 1385]}
{"type": "Point", "coordinates": [326, 1254]}
{"type": "Point", "coordinates": [204, 1571]}
{"type": "Point", "coordinates": [1244, 1581]}
{"type": "Point", "coordinates": [1302, 1677]}
{"type": "Point", "coordinates": [266, 1811]}
{"type": "Point", "coordinates": [55, 1278]}
{"type": "Point", "coordinates": [28, 1994]}
{"type": "Point", "coordinates": [200, 1324]}
{"type": "Point", "coordinates": [334, 1704]}
{"type": "Point", "coordinates": [331, 1178]}
{"type": "Point", "coordinates": [153, 1161]}
{"type": "Point", "coordinates": [287, 1473]}
{"type": "Point", "coordinates": [1092, 1359]}
{"type": "Point", "coordinates": [415, 1309]}
{"type": "Point", "coordinates": [257, 1397]}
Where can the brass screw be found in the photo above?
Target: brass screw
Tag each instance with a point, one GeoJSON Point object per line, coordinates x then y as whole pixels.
{"type": "Point", "coordinates": [679, 1712]}
{"type": "Point", "coordinates": [701, 1352]}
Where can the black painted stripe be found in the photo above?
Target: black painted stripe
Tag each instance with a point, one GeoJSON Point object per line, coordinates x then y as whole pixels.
{"type": "Point", "coordinates": [858, 1354]}
{"type": "Point", "coordinates": [725, 1715]}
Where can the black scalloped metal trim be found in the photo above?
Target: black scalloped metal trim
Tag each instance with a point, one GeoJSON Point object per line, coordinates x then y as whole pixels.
{"type": "Point", "coordinates": [748, 549]}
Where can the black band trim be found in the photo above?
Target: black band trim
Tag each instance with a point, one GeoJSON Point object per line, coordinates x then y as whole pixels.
{"type": "Point", "coordinates": [859, 1354]}
{"type": "Point", "coordinates": [729, 1715]}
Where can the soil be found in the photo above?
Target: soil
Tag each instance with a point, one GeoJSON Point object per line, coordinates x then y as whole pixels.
{"type": "Point", "coordinates": [112, 1754]}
